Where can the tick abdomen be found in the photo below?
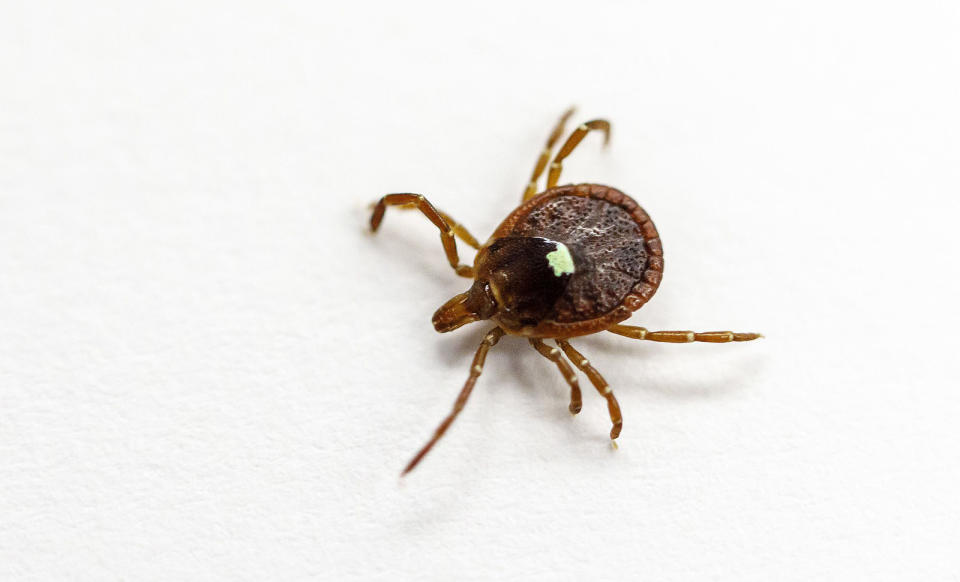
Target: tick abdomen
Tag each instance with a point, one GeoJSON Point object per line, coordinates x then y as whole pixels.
{"type": "Point", "coordinates": [615, 248]}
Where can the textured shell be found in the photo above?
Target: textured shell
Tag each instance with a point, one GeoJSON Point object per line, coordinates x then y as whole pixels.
{"type": "Point", "coordinates": [615, 244]}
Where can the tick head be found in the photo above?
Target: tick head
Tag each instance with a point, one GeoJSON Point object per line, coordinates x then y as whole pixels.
{"type": "Point", "coordinates": [476, 304]}
{"type": "Point", "coordinates": [519, 280]}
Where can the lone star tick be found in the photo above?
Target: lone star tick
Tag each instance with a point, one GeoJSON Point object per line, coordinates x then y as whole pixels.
{"type": "Point", "coordinates": [568, 262]}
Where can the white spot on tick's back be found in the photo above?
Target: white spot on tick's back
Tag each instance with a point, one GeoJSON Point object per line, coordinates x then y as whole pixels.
{"type": "Point", "coordinates": [560, 260]}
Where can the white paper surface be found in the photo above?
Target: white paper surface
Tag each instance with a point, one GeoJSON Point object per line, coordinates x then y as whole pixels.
{"type": "Point", "coordinates": [210, 370]}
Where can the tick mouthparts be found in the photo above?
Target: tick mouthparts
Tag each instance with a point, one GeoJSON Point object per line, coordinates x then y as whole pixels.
{"type": "Point", "coordinates": [454, 313]}
{"type": "Point", "coordinates": [464, 308]}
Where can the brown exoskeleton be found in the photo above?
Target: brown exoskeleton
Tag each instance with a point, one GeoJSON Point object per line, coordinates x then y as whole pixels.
{"type": "Point", "coordinates": [569, 261]}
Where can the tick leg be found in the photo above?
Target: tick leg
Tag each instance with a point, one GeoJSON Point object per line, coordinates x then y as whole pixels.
{"type": "Point", "coordinates": [545, 154]}
{"type": "Point", "coordinates": [490, 340]}
{"type": "Point", "coordinates": [682, 337]}
{"type": "Point", "coordinates": [578, 134]}
{"type": "Point", "coordinates": [458, 229]}
{"type": "Point", "coordinates": [424, 206]}
{"type": "Point", "coordinates": [599, 383]}
{"type": "Point", "coordinates": [553, 354]}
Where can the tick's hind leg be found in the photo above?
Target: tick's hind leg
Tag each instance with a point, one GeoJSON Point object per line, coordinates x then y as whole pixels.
{"type": "Point", "coordinates": [599, 383]}
{"type": "Point", "coordinates": [578, 134]}
{"type": "Point", "coordinates": [553, 354]}
{"type": "Point", "coordinates": [424, 206]}
{"type": "Point", "coordinates": [682, 337]}
{"type": "Point", "coordinates": [490, 340]}
{"type": "Point", "coordinates": [545, 154]}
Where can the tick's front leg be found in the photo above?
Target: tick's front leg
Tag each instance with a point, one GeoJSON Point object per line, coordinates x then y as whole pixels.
{"type": "Point", "coordinates": [490, 340]}
{"type": "Point", "coordinates": [447, 231]}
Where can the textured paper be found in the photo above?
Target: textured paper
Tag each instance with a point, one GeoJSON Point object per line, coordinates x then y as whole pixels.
{"type": "Point", "coordinates": [210, 370]}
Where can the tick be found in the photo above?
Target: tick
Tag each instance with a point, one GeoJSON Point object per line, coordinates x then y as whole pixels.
{"type": "Point", "coordinates": [568, 262]}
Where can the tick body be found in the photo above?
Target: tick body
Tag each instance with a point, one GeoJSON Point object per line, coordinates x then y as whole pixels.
{"type": "Point", "coordinates": [570, 261]}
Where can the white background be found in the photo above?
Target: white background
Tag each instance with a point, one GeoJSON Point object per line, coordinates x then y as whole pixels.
{"type": "Point", "coordinates": [210, 370]}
